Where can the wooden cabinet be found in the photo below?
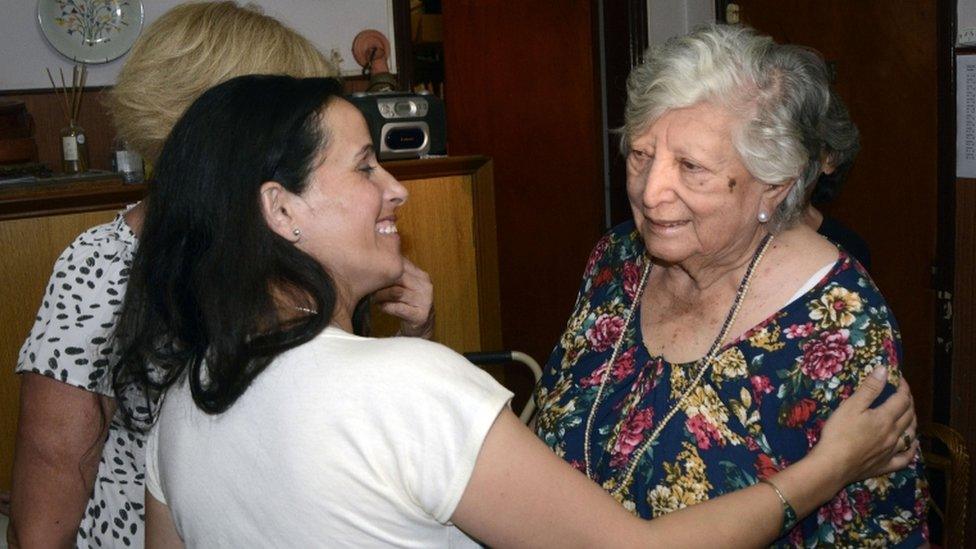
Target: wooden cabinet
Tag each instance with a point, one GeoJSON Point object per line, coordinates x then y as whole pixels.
{"type": "Point", "coordinates": [28, 248]}
{"type": "Point", "coordinates": [447, 227]}
{"type": "Point", "coordinates": [36, 224]}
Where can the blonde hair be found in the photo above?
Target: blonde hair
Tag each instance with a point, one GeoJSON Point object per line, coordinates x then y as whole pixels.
{"type": "Point", "coordinates": [192, 48]}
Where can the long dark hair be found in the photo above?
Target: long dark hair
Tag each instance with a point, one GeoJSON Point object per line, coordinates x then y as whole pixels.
{"type": "Point", "coordinates": [206, 282]}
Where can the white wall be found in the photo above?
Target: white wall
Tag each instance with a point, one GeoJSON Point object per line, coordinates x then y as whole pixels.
{"type": "Point", "coordinates": [329, 24]}
{"type": "Point", "coordinates": [667, 18]}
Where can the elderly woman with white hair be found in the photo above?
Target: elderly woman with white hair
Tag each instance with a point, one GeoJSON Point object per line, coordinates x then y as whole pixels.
{"type": "Point", "coordinates": [714, 333]}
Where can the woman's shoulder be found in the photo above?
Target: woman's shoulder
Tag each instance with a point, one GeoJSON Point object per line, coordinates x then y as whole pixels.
{"type": "Point", "coordinates": [621, 242]}
{"type": "Point", "coordinates": [386, 348]}
{"type": "Point", "coordinates": [849, 274]}
{"type": "Point", "coordinates": [106, 243]}
{"type": "Point", "coordinates": [70, 339]}
{"type": "Point", "coordinates": [619, 246]}
{"type": "Point", "coordinates": [403, 360]}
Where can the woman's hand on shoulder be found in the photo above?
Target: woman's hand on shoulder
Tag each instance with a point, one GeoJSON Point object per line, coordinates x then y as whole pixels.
{"type": "Point", "coordinates": [866, 442]}
{"type": "Point", "coordinates": [411, 300]}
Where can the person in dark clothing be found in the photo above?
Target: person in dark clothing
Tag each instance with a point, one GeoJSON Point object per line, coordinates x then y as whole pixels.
{"type": "Point", "coordinates": [825, 191]}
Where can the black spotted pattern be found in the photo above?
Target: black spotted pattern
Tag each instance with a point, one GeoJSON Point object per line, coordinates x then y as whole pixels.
{"type": "Point", "coordinates": [71, 342]}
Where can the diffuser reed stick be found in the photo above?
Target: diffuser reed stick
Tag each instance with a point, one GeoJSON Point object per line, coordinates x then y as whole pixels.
{"type": "Point", "coordinates": [64, 107]}
{"type": "Point", "coordinates": [74, 149]}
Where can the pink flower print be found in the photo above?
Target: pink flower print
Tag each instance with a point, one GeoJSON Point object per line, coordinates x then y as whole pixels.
{"type": "Point", "coordinates": [862, 502]}
{"type": "Point", "coordinates": [760, 386]}
{"type": "Point", "coordinates": [922, 503]}
{"type": "Point", "coordinates": [813, 433]}
{"type": "Point", "coordinates": [595, 378]}
{"type": "Point", "coordinates": [838, 510]}
{"type": "Point", "coordinates": [799, 331]}
{"type": "Point", "coordinates": [704, 431]}
{"type": "Point", "coordinates": [631, 278]}
{"type": "Point", "coordinates": [751, 444]}
{"type": "Point", "coordinates": [824, 356]}
{"type": "Point", "coordinates": [625, 364]}
{"type": "Point", "coordinates": [578, 465]}
{"type": "Point", "coordinates": [597, 254]}
{"type": "Point", "coordinates": [889, 347]}
{"type": "Point", "coordinates": [604, 332]}
{"type": "Point", "coordinates": [623, 367]}
{"type": "Point", "coordinates": [631, 436]}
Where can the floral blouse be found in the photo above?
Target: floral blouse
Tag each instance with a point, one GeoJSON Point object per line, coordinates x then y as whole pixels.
{"type": "Point", "coordinates": [758, 409]}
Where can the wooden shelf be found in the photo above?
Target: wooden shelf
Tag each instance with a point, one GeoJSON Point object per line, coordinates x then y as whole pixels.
{"type": "Point", "coordinates": [67, 195]}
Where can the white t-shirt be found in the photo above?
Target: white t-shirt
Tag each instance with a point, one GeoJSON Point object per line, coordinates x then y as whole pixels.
{"type": "Point", "coordinates": [343, 442]}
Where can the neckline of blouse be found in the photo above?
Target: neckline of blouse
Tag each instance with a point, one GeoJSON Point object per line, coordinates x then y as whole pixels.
{"type": "Point", "coordinates": [639, 330]}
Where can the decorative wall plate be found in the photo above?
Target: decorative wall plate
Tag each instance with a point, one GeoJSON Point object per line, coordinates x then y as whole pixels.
{"type": "Point", "coordinates": [90, 31]}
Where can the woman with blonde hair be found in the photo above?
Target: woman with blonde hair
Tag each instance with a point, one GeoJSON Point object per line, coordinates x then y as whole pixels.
{"type": "Point", "coordinates": [192, 48]}
{"type": "Point", "coordinates": [78, 477]}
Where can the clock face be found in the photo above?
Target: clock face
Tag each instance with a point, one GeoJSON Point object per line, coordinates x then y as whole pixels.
{"type": "Point", "coordinates": [90, 31]}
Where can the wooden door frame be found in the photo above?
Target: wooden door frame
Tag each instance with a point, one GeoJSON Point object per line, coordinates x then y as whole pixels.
{"type": "Point", "coordinates": [943, 271]}
{"type": "Point", "coordinates": [617, 57]}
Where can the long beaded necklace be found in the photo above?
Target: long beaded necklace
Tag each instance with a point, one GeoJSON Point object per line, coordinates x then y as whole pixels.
{"type": "Point", "coordinates": [703, 365]}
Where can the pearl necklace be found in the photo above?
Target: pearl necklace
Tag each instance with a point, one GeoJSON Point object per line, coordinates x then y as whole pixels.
{"type": "Point", "coordinates": [703, 365]}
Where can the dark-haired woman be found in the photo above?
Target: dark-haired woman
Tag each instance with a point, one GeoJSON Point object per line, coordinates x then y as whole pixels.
{"type": "Point", "coordinates": [281, 427]}
{"type": "Point", "coordinates": [77, 476]}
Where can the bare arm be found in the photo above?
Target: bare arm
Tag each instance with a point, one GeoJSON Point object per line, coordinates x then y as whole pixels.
{"type": "Point", "coordinates": [521, 494]}
{"type": "Point", "coordinates": [60, 433]}
{"type": "Point", "coordinates": [160, 528]}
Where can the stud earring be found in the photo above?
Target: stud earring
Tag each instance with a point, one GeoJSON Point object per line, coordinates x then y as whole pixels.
{"type": "Point", "coordinates": [297, 232]}
{"type": "Point", "coordinates": [763, 217]}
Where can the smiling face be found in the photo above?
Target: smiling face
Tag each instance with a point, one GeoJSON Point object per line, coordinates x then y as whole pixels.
{"type": "Point", "coordinates": [692, 198]}
{"type": "Point", "coordinates": [347, 212]}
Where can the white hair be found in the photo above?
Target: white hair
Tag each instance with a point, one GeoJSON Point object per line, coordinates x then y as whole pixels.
{"type": "Point", "coordinates": [792, 122]}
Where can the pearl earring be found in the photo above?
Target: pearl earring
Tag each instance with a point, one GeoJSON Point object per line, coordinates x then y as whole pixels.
{"type": "Point", "coordinates": [296, 231]}
{"type": "Point", "coordinates": [763, 217]}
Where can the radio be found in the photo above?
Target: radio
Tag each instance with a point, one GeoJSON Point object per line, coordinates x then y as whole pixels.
{"type": "Point", "coordinates": [403, 125]}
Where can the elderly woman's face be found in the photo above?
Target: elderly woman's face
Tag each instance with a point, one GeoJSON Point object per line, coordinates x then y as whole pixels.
{"type": "Point", "coordinates": [691, 196]}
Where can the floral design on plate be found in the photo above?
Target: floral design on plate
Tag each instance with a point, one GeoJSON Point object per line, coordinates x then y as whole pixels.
{"type": "Point", "coordinates": [90, 31]}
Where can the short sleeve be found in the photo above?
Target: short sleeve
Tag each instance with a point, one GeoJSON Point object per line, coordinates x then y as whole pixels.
{"type": "Point", "coordinates": [848, 332]}
{"type": "Point", "coordinates": [435, 416]}
{"type": "Point", "coordinates": [71, 339]}
{"type": "Point", "coordinates": [153, 484]}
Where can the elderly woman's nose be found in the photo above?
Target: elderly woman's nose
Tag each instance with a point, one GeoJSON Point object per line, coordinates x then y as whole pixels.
{"type": "Point", "coordinates": [658, 185]}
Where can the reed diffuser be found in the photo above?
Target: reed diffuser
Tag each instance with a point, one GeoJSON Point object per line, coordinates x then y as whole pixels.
{"type": "Point", "coordinates": [74, 146]}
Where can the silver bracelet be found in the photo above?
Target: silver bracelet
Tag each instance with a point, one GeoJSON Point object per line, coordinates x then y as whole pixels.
{"type": "Point", "coordinates": [789, 513]}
